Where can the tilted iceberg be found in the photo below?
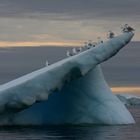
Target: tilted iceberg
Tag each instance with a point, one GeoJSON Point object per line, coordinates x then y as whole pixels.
{"type": "Point", "coordinates": [71, 91]}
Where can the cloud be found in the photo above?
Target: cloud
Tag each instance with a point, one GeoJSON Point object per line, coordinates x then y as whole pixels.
{"type": "Point", "coordinates": [70, 8]}
{"type": "Point", "coordinates": [65, 20]}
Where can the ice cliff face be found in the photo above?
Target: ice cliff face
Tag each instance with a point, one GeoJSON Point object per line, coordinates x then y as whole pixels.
{"type": "Point", "coordinates": [71, 91]}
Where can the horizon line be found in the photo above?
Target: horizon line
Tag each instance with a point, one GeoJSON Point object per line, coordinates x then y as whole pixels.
{"type": "Point", "coordinates": [125, 89]}
{"type": "Point", "coordinates": [8, 44]}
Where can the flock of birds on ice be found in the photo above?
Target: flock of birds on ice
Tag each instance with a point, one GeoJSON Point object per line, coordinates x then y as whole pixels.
{"type": "Point", "coordinates": [90, 44]}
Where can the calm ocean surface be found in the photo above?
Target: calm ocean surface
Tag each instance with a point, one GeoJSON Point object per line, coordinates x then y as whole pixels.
{"type": "Point", "coordinates": [122, 132]}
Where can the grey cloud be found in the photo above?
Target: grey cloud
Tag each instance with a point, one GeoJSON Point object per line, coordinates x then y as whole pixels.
{"type": "Point", "coordinates": [65, 19]}
{"type": "Point", "coordinates": [72, 8]}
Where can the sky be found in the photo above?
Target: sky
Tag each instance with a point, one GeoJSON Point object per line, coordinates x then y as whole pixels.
{"type": "Point", "coordinates": [64, 22]}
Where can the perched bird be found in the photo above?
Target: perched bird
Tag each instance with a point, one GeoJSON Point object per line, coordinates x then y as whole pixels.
{"type": "Point", "coordinates": [94, 44]}
{"type": "Point", "coordinates": [88, 44]}
{"type": "Point", "coordinates": [110, 35]}
{"type": "Point", "coordinates": [68, 54]}
{"type": "Point", "coordinates": [99, 40]}
{"type": "Point", "coordinates": [74, 51]}
{"type": "Point", "coordinates": [79, 50]}
{"type": "Point", "coordinates": [47, 63]}
{"type": "Point", "coordinates": [127, 28]}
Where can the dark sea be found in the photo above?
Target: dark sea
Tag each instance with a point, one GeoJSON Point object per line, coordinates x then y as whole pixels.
{"type": "Point", "coordinates": [122, 70]}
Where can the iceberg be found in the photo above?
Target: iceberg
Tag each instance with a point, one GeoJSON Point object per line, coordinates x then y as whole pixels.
{"type": "Point", "coordinates": [71, 91]}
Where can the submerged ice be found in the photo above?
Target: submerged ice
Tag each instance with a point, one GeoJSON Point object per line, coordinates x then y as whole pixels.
{"type": "Point", "coordinates": [71, 91]}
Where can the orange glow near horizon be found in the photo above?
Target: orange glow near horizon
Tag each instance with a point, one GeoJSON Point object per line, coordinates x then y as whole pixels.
{"type": "Point", "coordinates": [126, 89]}
{"type": "Point", "coordinates": [30, 43]}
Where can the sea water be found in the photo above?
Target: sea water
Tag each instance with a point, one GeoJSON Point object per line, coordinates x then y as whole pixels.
{"type": "Point", "coordinates": [77, 132]}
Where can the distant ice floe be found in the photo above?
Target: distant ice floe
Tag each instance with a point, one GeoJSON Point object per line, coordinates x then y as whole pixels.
{"type": "Point", "coordinates": [129, 99]}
